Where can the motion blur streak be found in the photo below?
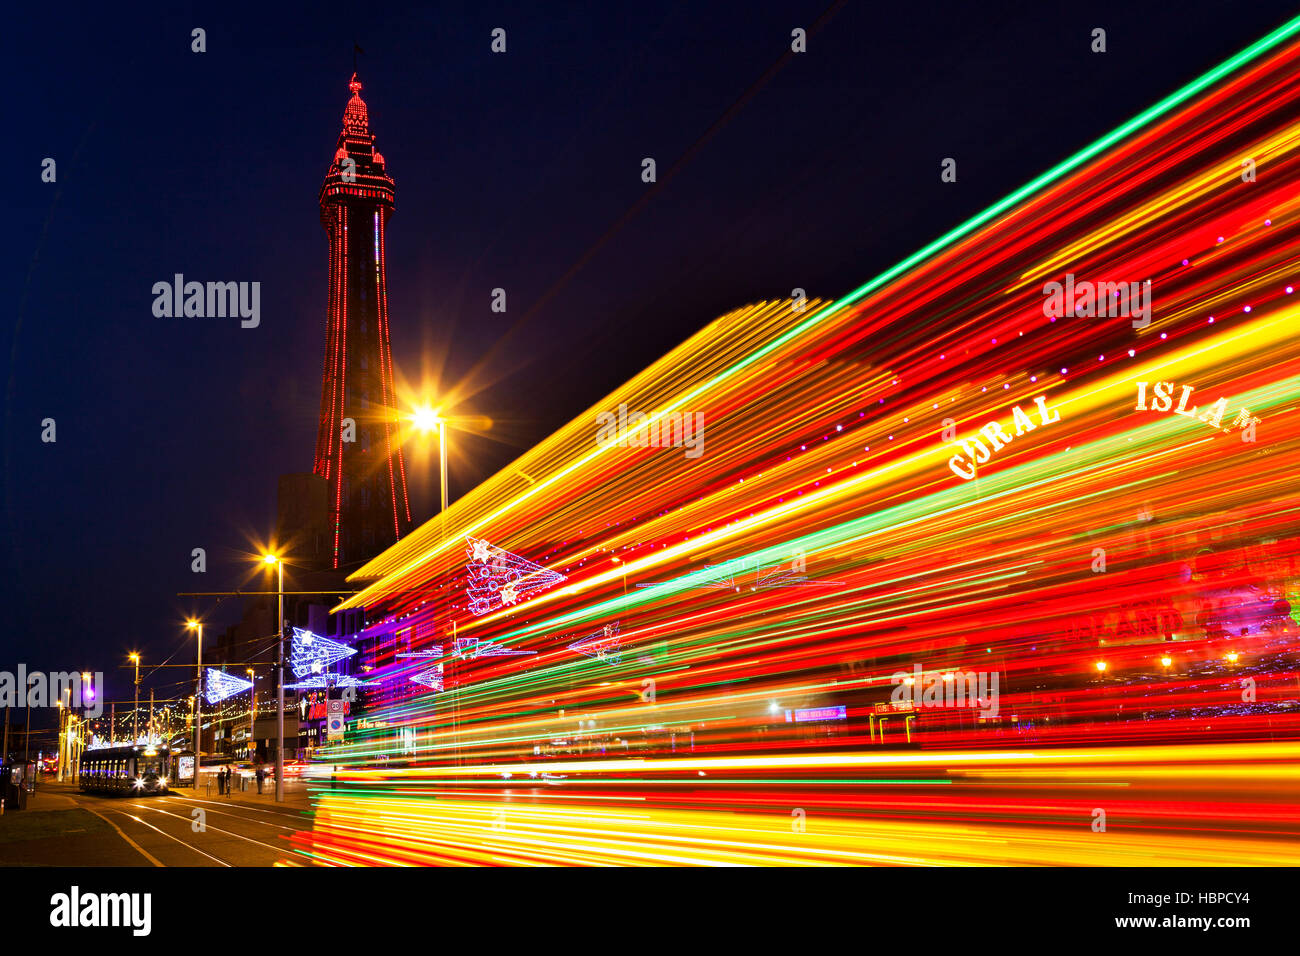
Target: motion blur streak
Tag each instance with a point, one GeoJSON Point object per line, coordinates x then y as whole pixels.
{"type": "Point", "coordinates": [986, 823]}
{"type": "Point", "coordinates": [959, 576]}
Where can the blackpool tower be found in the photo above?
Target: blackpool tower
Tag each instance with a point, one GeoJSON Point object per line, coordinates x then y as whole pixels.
{"type": "Point", "coordinates": [358, 444]}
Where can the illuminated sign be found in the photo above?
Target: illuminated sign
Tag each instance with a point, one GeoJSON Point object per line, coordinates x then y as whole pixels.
{"type": "Point", "coordinates": [816, 713]}
{"type": "Point", "coordinates": [1162, 400]}
{"type": "Point", "coordinates": [974, 452]}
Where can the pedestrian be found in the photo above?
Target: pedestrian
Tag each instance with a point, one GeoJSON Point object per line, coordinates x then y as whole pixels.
{"type": "Point", "coordinates": [261, 775]}
{"type": "Point", "coordinates": [221, 780]}
{"type": "Point", "coordinates": [230, 779]}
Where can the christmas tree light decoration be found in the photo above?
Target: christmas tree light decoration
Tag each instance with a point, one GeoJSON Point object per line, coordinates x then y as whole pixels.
{"type": "Point", "coordinates": [325, 681]}
{"type": "Point", "coordinates": [604, 645]}
{"type": "Point", "coordinates": [498, 578]}
{"type": "Point", "coordinates": [430, 678]}
{"type": "Point", "coordinates": [311, 654]}
{"type": "Point", "coordinates": [221, 685]}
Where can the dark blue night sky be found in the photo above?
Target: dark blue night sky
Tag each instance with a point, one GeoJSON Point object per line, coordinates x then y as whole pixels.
{"type": "Point", "coordinates": [511, 170]}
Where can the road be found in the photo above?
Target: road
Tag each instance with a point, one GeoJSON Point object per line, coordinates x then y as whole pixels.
{"type": "Point", "coordinates": [64, 827]}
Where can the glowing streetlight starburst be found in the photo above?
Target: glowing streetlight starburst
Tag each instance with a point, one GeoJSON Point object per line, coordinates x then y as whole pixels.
{"type": "Point", "coordinates": [426, 419]}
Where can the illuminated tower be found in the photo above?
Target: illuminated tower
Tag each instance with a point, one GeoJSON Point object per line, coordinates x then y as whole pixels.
{"type": "Point", "coordinates": [358, 445]}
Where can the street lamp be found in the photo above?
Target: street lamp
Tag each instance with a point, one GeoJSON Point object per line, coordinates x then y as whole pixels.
{"type": "Point", "coordinates": [135, 714]}
{"type": "Point", "coordinates": [270, 559]}
{"type": "Point", "coordinates": [192, 625]}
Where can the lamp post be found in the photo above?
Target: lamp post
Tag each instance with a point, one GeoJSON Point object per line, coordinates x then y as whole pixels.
{"type": "Point", "coordinates": [279, 662]}
{"type": "Point", "coordinates": [83, 725]}
{"type": "Point", "coordinates": [62, 714]}
{"type": "Point", "coordinates": [252, 710]}
{"type": "Point", "coordinates": [135, 714]}
{"type": "Point", "coordinates": [72, 724]}
{"type": "Point", "coordinates": [427, 420]}
{"type": "Point", "coordinates": [198, 702]}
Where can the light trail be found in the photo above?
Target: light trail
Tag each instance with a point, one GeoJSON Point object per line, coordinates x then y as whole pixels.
{"type": "Point", "coordinates": [1085, 523]}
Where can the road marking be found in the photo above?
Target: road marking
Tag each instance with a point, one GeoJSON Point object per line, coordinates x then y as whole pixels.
{"type": "Point", "coordinates": [143, 852]}
{"type": "Point", "coordinates": [239, 836]}
{"type": "Point", "coordinates": [170, 837]}
{"type": "Point", "coordinates": [305, 812]}
{"type": "Point", "coordinates": [237, 816]}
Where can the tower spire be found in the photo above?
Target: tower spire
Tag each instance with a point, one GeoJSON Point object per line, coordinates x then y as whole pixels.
{"type": "Point", "coordinates": [358, 442]}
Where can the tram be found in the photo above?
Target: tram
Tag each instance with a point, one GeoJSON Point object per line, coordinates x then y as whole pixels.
{"type": "Point", "coordinates": [130, 770]}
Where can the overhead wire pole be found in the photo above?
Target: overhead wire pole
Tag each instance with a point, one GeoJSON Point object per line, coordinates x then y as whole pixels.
{"type": "Point", "coordinates": [135, 714]}
{"type": "Point", "coordinates": [198, 706]}
{"type": "Point", "coordinates": [279, 706]}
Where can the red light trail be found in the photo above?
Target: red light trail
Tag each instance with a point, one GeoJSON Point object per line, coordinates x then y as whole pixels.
{"type": "Point", "coordinates": [948, 484]}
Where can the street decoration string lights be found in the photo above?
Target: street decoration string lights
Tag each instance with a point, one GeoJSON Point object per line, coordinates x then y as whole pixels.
{"type": "Point", "coordinates": [431, 677]}
{"type": "Point", "coordinates": [220, 685]}
{"type": "Point", "coordinates": [498, 578]}
{"type": "Point", "coordinates": [472, 648]}
{"type": "Point", "coordinates": [602, 646]}
{"type": "Point", "coordinates": [311, 654]}
{"type": "Point", "coordinates": [324, 681]}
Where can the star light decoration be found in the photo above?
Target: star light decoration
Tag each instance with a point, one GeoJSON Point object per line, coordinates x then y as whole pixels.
{"type": "Point", "coordinates": [221, 685]}
{"type": "Point", "coordinates": [310, 653]}
{"type": "Point", "coordinates": [498, 578]}
{"type": "Point", "coordinates": [604, 645]}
